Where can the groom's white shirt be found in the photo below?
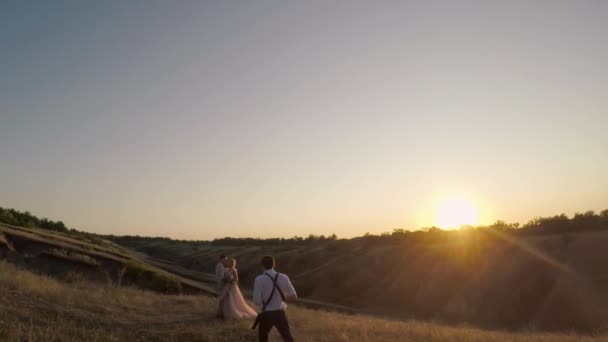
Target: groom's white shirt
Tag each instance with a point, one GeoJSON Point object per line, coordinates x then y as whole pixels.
{"type": "Point", "coordinates": [263, 287]}
{"type": "Point", "coordinates": [220, 273]}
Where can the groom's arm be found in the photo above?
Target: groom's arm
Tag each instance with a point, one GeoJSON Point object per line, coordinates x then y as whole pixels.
{"type": "Point", "coordinates": [289, 291]}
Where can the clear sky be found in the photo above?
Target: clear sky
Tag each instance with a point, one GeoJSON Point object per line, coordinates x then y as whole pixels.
{"type": "Point", "coordinates": [202, 119]}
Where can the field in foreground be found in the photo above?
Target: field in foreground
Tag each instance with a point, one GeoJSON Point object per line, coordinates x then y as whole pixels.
{"type": "Point", "coordinates": [37, 308]}
{"type": "Point", "coordinates": [485, 278]}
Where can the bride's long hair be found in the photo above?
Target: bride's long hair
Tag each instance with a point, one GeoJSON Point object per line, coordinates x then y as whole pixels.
{"type": "Point", "coordinates": [231, 263]}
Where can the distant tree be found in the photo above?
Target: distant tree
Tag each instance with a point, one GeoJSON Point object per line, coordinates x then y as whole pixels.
{"type": "Point", "coordinates": [503, 226]}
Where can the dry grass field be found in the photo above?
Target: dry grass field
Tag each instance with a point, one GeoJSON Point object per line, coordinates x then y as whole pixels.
{"type": "Point", "coordinates": [38, 308]}
{"type": "Point", "coordinates": [552, 282]}
{"type": "Point", "coordinates": [64, 287]}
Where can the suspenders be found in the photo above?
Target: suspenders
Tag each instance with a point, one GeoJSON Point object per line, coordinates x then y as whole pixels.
{"type": "Point", "coordinates": [275, 287]}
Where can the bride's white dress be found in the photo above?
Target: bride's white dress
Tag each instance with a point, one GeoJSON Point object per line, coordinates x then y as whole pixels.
{"type": "Point", "coordinates": [234, 303]}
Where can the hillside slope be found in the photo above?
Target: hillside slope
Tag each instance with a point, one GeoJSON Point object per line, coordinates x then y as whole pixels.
{"type": "Point", "coordinates": [493, 280]}
{"type": "Point", "coordinates": [38, 308]}
{"type": "Point", "coordinates": [76, 257]}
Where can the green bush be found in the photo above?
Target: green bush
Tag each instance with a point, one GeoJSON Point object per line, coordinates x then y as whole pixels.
{"type": "Point", "coordinates": [73, 277]}
{"type": "Point", "coordinates": [151, 280]}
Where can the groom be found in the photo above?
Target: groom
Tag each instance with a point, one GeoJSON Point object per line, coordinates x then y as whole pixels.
{"type": "Point", "coordinates": [220, 275]}
{"type": "Point", "coordinates": [270, 291]}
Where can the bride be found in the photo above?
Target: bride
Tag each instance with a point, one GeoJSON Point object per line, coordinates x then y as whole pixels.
{"type": "Point", "coordinates": [234, 303]}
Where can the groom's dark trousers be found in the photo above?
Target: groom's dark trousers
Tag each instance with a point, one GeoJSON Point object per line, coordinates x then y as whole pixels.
{"type": "Point", "coordinates": [277, 319]}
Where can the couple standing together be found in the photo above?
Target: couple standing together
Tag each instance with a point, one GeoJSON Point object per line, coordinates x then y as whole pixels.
{"type": "Point", "coordinates": [270, 292]}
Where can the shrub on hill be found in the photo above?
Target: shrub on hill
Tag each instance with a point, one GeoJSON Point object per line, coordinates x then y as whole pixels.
{"type": "Point", "coordinates": [148, 279]}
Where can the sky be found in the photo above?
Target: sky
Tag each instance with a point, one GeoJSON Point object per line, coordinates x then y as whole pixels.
{"type": "Point", "coordinates": [205, 119]}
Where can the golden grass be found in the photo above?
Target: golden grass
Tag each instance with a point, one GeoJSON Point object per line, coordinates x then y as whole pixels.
{"type": "Point", "coordinates": [489, 280]}
{"type": "Point", "coordinates": [37, 308]}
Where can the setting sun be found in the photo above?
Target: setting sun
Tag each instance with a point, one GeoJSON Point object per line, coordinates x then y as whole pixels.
{"type": "Point", "coordinates": [454, 212]}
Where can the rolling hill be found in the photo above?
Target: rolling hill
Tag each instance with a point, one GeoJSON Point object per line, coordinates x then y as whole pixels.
{"type": "Point", "coordinates": [39, 308]}
{"type": "Point", "coordinates": [74, 257]}
{"type": "Point", "coordinates": [466, 285]}
{"type": "Point", "coordinates": [493, 280]}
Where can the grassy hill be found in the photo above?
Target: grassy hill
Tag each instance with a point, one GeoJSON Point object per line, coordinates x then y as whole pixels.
{"type": "Point", "coordinates": [494, 278]}
{"type": "Point", "coordinates": [487, 278]}
{"type": "Point", "coordinates": [75, 257]}
{"type": "Point", "coordinates": [39, 308]}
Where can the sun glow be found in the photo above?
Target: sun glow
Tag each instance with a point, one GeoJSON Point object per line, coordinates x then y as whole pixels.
{"type": "Point", "coordinates": [454, 212]}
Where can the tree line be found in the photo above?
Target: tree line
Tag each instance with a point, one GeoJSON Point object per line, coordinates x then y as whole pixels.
{"type": "Point", "coordinates": [296, 240]}
{"type": "Point", "coordinates": [26, 219]}
{"type": "Point", "coordinates": [558, 224]}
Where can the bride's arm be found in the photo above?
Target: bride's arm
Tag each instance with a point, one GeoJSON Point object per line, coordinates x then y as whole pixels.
{"type": "Point", "coordinates": [227, 276]}
{"type": "Point", "coordinates": [235, 275]}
